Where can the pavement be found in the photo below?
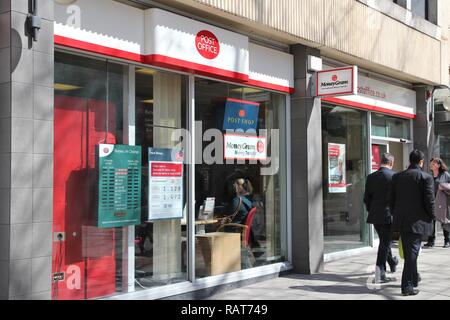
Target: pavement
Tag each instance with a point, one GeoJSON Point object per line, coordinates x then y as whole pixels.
{"type": "Point", "coordinates": [351, 279]}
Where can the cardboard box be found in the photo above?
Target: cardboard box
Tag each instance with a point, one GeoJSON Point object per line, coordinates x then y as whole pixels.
{"type": "Point", "coordinates": [218, 253]}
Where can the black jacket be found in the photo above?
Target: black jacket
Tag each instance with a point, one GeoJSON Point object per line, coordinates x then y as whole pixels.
{"type": "Point", "coordinates": [412, 201]}
{"type": "Point", "coordinates": [376, 196]}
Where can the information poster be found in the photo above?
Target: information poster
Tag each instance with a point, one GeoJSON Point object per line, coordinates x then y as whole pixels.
{"type": "Point", "coordinates": [336, 168]}
{"type": "Point", "coordinates": [165, 183]}
{"type": "Point", "coordinates": [376, 160]}
{"type": "Point", "coordinates": [119, 199]}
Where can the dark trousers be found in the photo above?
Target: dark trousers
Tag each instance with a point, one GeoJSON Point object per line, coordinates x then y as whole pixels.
{"type": "Point", "coordinates": [433, 235]}
{"type": "Point", "coordinates": [384, 247]}
{"type": "Point", "coordinates": [411, 246]}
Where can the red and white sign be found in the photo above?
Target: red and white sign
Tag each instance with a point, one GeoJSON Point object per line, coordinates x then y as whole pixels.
{"type": "Point", "coordinates": [337, 82]}
{"type": "Point", "coordinates": [207, 44]}
{"type": "Point", "coordinates": [166, 169]}
{"type": "Point", "coordinates": [242, 147]}
{"type": "Point", "coordinates": [176, 41]}
{"type": "Point", "coordinates": [376, 157]}
{"type": "Point", "coordinates": [379, 96]}
{"type": "Point", "coordinates": [336, 168]}
{"type": "Point", "coordinates": [164, 39]}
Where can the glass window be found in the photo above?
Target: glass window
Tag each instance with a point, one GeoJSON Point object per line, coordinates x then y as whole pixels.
{"type": "Point", "coordinates": [344, 170]}
{"type": "Point", "coordinates": [390, 127]}
{"type": "Point", "coordinates": [160, 244]}
{"type": "Point", "coordinates": [420, 7]}
{"type": "Point", "coordinates": [88, 111]}
{"type": "Point", "coordinates": [251, 192]}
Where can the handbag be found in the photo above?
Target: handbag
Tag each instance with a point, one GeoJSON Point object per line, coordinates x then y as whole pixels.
{"type": "Point", "coordinates": [229, 218]}
{"type": "Point", "coordinates": [400, 249]}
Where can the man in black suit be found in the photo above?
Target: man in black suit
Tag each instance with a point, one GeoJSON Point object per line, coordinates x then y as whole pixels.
{"type": "Point", "coordinates": [376, 198]}
{"type": "Point", "coordinates": [412, 202]}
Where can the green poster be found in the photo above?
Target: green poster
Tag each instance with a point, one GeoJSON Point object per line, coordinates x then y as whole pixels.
{"type": "Point", "coordinates": [119, 202]}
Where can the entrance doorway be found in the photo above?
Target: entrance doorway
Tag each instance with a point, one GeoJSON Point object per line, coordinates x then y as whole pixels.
{"type": "Point", "coordinates": [399, 148]}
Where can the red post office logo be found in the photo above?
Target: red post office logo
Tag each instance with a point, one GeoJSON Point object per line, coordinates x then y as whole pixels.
{"type": "Point", "coordinates": [334, 77]}
{"type": "Point", "coordinates": [207, 44]}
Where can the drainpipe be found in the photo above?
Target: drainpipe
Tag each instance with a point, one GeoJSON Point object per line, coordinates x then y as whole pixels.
{"type": "Point", "coordinates": [33, 21]}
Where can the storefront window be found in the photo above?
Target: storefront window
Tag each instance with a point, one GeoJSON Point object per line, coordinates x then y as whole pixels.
{"type": "Point", "coordinates": [87, 260]}
{"type": "Point", "coordinates": [390, 127]}
{"type": "Point", "coordinates": [344, 170]}
{"type": "Point", "coordinates": [232, 120]}
{"type": "Point", "coordinates": [160, 239]}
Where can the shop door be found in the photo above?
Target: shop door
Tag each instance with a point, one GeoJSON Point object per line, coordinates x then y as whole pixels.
{"type": "Point", "coordinates": [84, 254]}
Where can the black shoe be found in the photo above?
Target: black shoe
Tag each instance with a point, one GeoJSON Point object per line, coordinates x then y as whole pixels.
{"type": "Point", "coordinates": [412, 292]}
{"type": "Point", "coordinates": [428, 245]}
{"type": "Point", "coordinates": [384, 280]}
{"type": "Point", "coordinates": [394, 266]}
{"type": "Point", "coordinates": [446, 245]}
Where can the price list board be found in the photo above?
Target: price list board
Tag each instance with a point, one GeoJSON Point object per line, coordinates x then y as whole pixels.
{"type": "Point", "coordinates": [165, 183]}
{"type": "Point", "coordinates": [119, 185]}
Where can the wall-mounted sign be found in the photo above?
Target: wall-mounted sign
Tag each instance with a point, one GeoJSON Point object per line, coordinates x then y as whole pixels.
{"type": "Point", "coordinates": [165, 199]}
{"type": "Point", "coordinates": [337, 82]}
{"type": "Point", "coordinates": [336, 168]}
{"type": "Point", "coordinates": [119, 198]}
{"type": "Point", "coordinates": [240, 115]}
{"type": "Point", "coordinates": [207, 44]}
{"type": "Point", "coordinates": [242, 147]}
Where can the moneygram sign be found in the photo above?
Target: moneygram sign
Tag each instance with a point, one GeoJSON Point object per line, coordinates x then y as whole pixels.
{"type": "Point", "coordinates": [243, 147]}
{"type": "Point", "coordinates": [337, 82]}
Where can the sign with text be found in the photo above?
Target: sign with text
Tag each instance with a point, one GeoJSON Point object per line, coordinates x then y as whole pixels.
{"type": "Point", "coordinates": [336, 168]}
{"type": "Point", "coordinates": [240, 115]}
{"type": "Point", "coordinates": [337, 82]}
{"type": "Point", "coordinates": [242, 147]}
{"type": "Point", "coordinates": [165, 199]}
{"type": "Point", "coordinates": [119, 199]}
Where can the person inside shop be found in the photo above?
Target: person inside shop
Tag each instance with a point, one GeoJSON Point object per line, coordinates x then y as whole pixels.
{"type": "Point", "coordinates": [442, 192]}
{"type": "Point", "coordinates": [242, 201]}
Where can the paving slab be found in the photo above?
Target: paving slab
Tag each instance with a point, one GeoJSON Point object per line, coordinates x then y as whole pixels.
{"type": "Point", "coordinates": [351, 278]}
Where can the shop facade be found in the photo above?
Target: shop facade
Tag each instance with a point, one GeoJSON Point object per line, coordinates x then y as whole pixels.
{"type": "Point", "coordinates": [356, 130]}
{"type": "Point", "coordinates": [144, 121]}
{"type": "Point", "coordinates": [166, 83]}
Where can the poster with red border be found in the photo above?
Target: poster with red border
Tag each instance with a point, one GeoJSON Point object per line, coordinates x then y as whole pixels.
{"type": "Point", "coordinates": [336, 168]}
{"type": "Point", "coordinates": [165, 199]}
{"type": "Point", "coordinates": [376, 159]}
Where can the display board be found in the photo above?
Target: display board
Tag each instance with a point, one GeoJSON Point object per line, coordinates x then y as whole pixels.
{"type": "Point", "coordinates": [119, 198]}
{"type": "Point", "coordinates": [165, 183]}
{"type": "Point", "coordinates": [336, 168]}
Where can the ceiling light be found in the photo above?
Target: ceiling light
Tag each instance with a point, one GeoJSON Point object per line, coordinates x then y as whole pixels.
{"type": "Point", "coordinates": [65, 87]}
{"type": "Point", "coordinates": [146, 71]}
{"type": "Point", "coordinates": [246, 90]}
{"type": "Point", "coordinates": [147, 101]}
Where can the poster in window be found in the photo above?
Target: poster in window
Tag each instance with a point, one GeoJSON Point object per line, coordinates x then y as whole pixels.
{"type": "Point", "coordinates": [119, 199]}
{"type": "Point", "coordinates": [165, 199]}
{"type": "Point", "coordinates": [240, 115]}
{"type": "Point", "coordinates": [376, 160]}
{"type": "Point", "coordinates": [336, 168]}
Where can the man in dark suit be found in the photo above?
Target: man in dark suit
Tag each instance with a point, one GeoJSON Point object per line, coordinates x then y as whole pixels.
{"type": "Point", "coordinates": [412, 202]}
{"type": "Point", "coordinates": [376, 198]}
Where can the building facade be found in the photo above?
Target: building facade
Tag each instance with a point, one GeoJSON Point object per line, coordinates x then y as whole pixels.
{"type": "Point", "coordinates": [129, 129]}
